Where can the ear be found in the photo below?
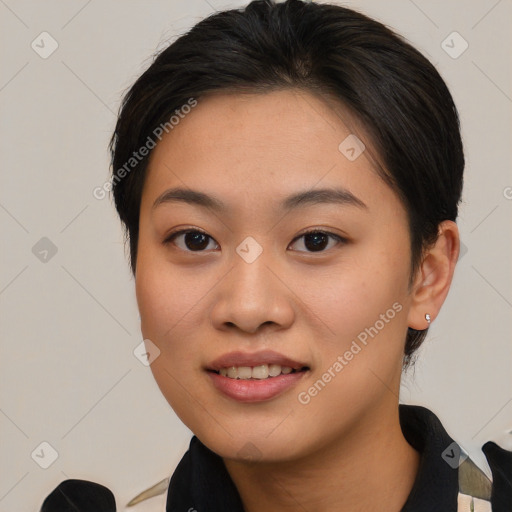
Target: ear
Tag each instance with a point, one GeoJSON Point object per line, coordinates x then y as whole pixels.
{"type": "Point", "coordinates": [434, 276]}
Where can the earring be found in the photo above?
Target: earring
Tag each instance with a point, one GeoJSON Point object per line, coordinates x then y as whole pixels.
{"type": "Point", "coordinates": [427, 318]}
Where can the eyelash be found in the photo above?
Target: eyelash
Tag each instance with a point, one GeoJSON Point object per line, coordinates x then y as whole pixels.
{"type": "Point", "coordinates": [334, 236]}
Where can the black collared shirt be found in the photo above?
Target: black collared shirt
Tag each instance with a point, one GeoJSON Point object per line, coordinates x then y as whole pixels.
{"type": "Point", "coordinates": [201, 481]}
{"type": "Point", "coordinates": [444, 483]}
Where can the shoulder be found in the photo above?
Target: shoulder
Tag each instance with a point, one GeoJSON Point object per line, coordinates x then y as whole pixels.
{"type": "Point", "coordinates": [447, 473]}
{"type": "Point", "coordinates": [480, 494]}
{"type": "Point", "coordinates": [500, 462]}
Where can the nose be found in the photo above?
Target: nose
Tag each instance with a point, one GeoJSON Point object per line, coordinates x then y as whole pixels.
{"type": "Point", "coordinates": [253, 297]}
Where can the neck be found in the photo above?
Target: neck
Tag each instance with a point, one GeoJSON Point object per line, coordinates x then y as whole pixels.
{"type": "Point", "coordinates": [368, 468]}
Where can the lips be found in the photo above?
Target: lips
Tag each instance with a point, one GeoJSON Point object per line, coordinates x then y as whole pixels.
{"type": "Point", "coordinates": [229, 374]}
{"type": "Point", "coordinates": [240, 359]}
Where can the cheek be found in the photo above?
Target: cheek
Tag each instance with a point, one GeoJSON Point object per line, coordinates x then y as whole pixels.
{"type": "Point", "coordinates": [364, 305]}
{"type": "Point", "coordinates": [154, 304]}
{"type": "Point", "coordinates": [165, 297]}
{"type": "Point", "coordinates": [163, 306]}
{"type": "Point", "coordinates": [171, 302]}
{"type": "Point", "coordinates": [358, 294]}
{"type": "Point", "coordinates": [360, 359]}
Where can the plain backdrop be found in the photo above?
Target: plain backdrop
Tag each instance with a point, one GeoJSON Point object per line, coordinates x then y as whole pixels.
{"type": "Point", "coordinates": [69, 322]}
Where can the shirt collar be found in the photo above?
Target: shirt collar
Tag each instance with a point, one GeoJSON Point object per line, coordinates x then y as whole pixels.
{"type": "Point", "coordinates": [436, 485]}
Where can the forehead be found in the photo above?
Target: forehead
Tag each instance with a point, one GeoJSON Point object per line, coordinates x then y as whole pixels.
{"type": "Point", "coordinates": [255, 146]}
{"type": "Point", "coordinates": [275, 121]}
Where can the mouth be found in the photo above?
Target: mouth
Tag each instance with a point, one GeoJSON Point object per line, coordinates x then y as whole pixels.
{"type": "Point", "coordinates": [261, 365]}
{"type": "Point", "coordinates": [255, 377]}
{"type": "Point", "coordinates": [260, 372]}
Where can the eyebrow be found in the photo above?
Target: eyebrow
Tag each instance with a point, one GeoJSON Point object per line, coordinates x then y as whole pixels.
{"type": "Point", "coordinates": [300, 199]}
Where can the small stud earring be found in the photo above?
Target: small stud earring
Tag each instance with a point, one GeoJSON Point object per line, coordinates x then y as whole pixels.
{"type": "Point", "coordinates": [427, 318]}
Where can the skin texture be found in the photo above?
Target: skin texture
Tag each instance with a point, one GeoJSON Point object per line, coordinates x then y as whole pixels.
{"type": "Point", "coordinates": [344, 449]}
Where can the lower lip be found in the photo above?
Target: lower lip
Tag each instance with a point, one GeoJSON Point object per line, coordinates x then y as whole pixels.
{"type": "Point", "coordinates": [255, 390]}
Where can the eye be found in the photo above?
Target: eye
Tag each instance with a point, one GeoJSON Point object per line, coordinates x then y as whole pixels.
{"type": "Point", "coordinates": [195, 240]}
{"type": "Point", "coordinates": [192, 240]}
{"type": "Point", "coordinates": [316, 240]}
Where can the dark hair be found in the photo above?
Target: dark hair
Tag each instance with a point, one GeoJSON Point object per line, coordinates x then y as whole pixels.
{"type": "Point", "coordinates": [398, 96]}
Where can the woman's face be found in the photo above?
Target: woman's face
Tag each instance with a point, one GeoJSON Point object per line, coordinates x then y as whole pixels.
{"type": "Point", "coordinates": [254, 292]}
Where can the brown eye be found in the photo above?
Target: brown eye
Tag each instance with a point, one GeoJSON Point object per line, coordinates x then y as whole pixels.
{"type": "Point", "coordinates": [190, 240]}
{"type": "Point", "coordinates": [318, 241]}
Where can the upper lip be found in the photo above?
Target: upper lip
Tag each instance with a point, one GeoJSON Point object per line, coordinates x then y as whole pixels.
{"type": "Point", "coordinates": [253, 359]}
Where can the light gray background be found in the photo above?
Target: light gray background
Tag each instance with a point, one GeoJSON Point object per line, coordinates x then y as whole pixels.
{"type": "Point", "coordinates": [70, 324]}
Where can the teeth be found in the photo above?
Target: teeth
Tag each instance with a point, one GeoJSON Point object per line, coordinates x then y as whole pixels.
{"type": "Point", "coordinates": [274, 370]}
{"type": "Point", "coordinates": [260, 372]}
{"type": "Point", "coordinates": [244, 372]}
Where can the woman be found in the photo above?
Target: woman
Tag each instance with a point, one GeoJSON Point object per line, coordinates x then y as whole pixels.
{"type": "Point", "coordinates": [289, 177]}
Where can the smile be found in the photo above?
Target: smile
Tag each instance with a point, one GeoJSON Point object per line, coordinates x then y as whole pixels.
{"type": "Point", "coordinates": [249, 389]}
{"type": "Point", "coordinates": [260, 372]}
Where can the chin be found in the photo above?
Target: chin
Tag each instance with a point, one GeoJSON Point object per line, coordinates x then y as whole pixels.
{"type": "Point", "coordinates": [252, 448]}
